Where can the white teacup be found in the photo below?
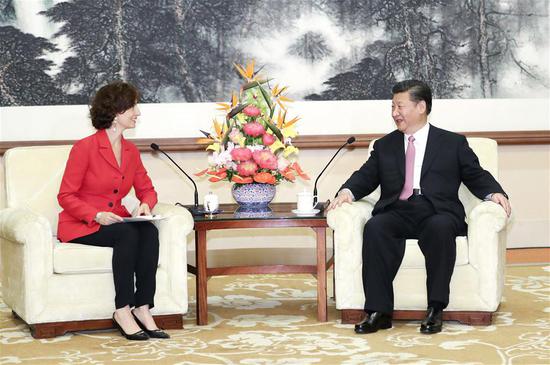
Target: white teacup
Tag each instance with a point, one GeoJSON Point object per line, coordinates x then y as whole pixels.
{"type": "Point", "coordinates": [305, 201]}
{"type": "Point", "coordinates": [211, 202]}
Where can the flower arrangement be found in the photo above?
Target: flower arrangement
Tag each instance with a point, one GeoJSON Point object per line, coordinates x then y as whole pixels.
{"type": "Point", "coordinates": [252, 145]}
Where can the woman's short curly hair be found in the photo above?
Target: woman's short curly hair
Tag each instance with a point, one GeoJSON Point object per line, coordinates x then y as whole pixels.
{"type": "Point", "coordinates": [110, 100]}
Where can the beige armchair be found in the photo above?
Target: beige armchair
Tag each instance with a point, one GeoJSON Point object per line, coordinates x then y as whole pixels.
{"type": "Point", "coordinates": [478, 278]}
{"type": "Point", "coordinates": [57, 287]}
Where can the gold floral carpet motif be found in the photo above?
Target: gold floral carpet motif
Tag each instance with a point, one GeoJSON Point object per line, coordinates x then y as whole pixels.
{"type": "Point", "coordinates": [271, 319]}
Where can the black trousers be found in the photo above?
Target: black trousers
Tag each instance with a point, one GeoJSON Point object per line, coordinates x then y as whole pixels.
{"type": "Point", "coordinates": [135, 252]}
{"type": "Point", "coordinates": [384, 247]}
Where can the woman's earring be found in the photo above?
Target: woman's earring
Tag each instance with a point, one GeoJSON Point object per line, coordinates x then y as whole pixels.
{"type": "Point", "coordinates": [114, 125]}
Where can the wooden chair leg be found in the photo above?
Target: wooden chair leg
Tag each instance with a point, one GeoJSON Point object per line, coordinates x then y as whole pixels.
{"type": "Point", "coordinates": [53, 329]}
{"type": "Point", "coordinates": [474, 318]}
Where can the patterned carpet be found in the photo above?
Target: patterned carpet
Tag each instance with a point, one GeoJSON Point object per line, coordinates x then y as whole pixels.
{"type": "Point", "coordinates": [271, 319]}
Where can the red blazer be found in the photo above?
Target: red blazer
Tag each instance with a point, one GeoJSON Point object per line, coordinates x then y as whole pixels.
{"type": "Point", "coordinates": [93, 182]}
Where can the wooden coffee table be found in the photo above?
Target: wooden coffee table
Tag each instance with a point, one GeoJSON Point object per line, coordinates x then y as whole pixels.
{"type": "Point", "coordinates": [279, 217]}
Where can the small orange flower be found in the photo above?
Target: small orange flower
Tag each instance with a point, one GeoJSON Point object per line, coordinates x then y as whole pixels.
{"type": "Point", "coordinates": [265, 178]}
{"type": "Point", "coordinates": [218, 176]}
{"type": "Point", "coordinates": [288, 174]}
{"type": "Point", "coordinates": [299, 171]}
{"type": "Point", "coordinates": [241, 180]}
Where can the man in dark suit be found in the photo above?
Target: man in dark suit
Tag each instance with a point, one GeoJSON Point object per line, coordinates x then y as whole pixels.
{"type": "Point", "coordinates": [419, 169]}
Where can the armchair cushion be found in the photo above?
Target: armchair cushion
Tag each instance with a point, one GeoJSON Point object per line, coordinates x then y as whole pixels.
{"type": "Point", "coordinates": [75, 258]}
{"type": "Point", "coordinates": [414, 259]}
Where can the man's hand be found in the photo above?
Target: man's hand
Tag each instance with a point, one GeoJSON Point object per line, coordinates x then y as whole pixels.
{"type": "Point", "coordinates": [107, 218]}
{"type": "Point", "coordinates": [344, 196]}
{"type": "Point", "coordinates": [501, 200]}
{"type": "Point", "coordinates": [144, 210]}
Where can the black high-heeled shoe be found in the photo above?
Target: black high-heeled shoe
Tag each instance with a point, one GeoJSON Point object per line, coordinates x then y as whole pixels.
{"type": "Point", "coordinates": [158, 333]}
{"type": "Point", "coordinates": [138, 336]}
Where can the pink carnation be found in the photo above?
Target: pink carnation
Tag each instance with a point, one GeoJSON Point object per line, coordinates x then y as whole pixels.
{"type": "Point", "coordinates": [241, 154]}
{"type": "Point", "coordinates": [252, 111]}
{"type": "Point", "coordinates": [265, 159]}
{"type": "Point", "coordinates": [268, 139]}
{"type": "Point", "coordinates": [247, 168]}
{"type": "Point", "coordinates": [254, 129]}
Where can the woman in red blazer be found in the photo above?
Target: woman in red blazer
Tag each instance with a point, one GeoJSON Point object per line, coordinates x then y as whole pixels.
{"type": "Point", "coordinates": [100, 171]}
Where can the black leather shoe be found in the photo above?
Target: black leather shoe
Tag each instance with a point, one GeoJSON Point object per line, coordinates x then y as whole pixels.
{"type": "Point", "coordinates": [138, 336]}
{"type": "Point", "coordinates": [376, 321]}
{"type": "Point", "coordinates": [433, 323]}
{"type": "Point", "coordinates": [158, 333]}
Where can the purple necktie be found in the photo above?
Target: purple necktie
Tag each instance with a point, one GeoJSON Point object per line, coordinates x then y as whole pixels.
{"type": "Point", "coordinates": [409, 170]}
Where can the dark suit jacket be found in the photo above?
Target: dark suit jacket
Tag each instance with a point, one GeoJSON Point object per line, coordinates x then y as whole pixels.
{"type": "Point", "coordinates": [448, 161]}
{"type": "Point", "coordinates": [94, 182]}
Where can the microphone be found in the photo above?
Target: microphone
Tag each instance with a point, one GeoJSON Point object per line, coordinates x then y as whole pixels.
{"type": "Point", "coordinates": [321, 206]}
{"type": "Point", "coordinates": [196, 209]}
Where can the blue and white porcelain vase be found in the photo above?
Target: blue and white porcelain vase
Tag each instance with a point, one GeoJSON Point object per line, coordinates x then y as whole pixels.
{"type": "Point", "coordinates": [253, 196]}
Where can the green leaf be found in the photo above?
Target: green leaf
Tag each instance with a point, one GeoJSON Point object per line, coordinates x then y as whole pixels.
{"type": "Point", "coordinates": [226, 135]}
{"type": "Point", "coordinates": [236, 110]}
{"type": "Point", "coordinates": [252, 84]}
{"type": "Point", "coordinates": [275, 130]}
{"type": "Point", "coordinates": [268, 100]}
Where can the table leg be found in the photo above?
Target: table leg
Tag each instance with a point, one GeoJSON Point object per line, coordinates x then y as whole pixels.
{"type": "Point", "coordinates": [201, 278]}
{"type": "Point", "coordinates": [321, 274]}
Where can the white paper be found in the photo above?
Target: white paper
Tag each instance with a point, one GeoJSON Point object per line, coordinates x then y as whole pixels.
{"type": "Point", "coordinates": [142, 218]}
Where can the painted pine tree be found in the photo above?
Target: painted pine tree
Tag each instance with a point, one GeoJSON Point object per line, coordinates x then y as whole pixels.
{"type": "Point", "coordinates": [23, 71]}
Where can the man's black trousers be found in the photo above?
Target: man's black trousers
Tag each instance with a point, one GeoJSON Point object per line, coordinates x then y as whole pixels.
{"type": "Point", "coordinates": [384, 247]}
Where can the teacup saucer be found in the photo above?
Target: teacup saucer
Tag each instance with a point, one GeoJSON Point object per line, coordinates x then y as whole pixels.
{"type": "Point", "coordinates": [215, 211]}
{"type": "Point", "coordinates": [304, 213]}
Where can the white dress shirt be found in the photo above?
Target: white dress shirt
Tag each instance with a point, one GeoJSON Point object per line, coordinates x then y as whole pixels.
{"type": "Point", "coordinates": [420, 141]}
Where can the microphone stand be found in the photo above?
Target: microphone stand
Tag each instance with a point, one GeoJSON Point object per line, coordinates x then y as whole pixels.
{"type": "Point", "coordinates": [321, 206]}
{"type": "Point", "coordinates": [195, 209]}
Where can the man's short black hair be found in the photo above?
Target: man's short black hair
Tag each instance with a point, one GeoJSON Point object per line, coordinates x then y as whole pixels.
{"type": "Point", "coordinates": [418, 91]}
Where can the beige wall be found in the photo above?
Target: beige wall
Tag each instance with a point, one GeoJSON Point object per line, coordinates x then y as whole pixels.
{"type": "Point", "coordinates": [524, 174]}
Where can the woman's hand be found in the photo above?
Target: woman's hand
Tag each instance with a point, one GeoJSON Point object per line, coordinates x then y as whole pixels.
{"type": "Point", "coordinates": [107, 218]}
{"type": "Point", "coordinates": [144, 210]}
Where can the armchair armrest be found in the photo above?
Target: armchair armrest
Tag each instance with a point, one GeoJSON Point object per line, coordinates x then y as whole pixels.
{"type": "Point", "coordinates": [487, 252]}
{"type": "Point", "coordinates": [27, 258]}
{"type": "Point", "coordinates": [176, 217]}
{"type": "Point", "coordinates": [18, 225]}
{"type": "Point", "coordinates": [360, 210]}
{"type": "Point", "coordinates": [485, 221]}
{"type": "Point", "coordinates": [348, 222]}
{"type": "Point", "coordinates": [173, 231]}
